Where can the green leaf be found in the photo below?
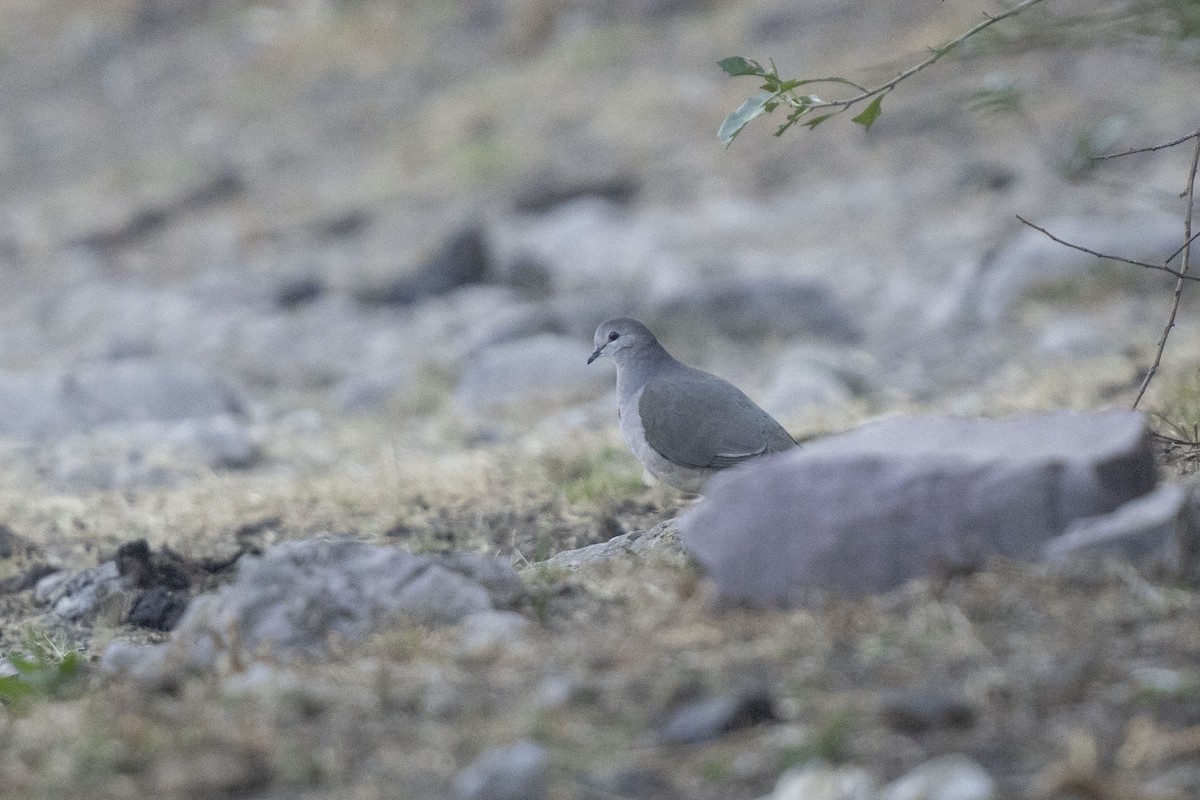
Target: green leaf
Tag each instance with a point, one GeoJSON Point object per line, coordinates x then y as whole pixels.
{"type": "Point", "coordinates": [869, 114]}
{"type": "Point", "coordinates": [13, 688]}
{"type": "Point", "coordinates": [815, 121]}
{"type": "Point", "coordinates": [783, 128]}
{"type": "Point", "coordinates": [733, 124]}
{"type": "Point", "coordinates": [827, 80]}
{"type": "Point", "coordinates": [736, 65]}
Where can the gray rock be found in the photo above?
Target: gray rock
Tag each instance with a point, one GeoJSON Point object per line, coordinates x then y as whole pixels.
{"type": "Point", "coordinates": [299, 594]}
{"type": "Point", "coordinates": [221, 442]}
{"type": "Point", "coordinates": [489, 630]}
{"type": "Point", "coordinates": [892, 500]}
{"type": "Point", "coordinates": [949, 777]}
{"type": "Point", "coordinates": [138, 454]}
{"type": "Point", "coordinates": [1031, 259]}
{"type": "Point", "coordinates": [517, 320]}
{"type": "Point", "coordinates": [517, 772]}
{"type": "Point", "coordinates": [82, 597]}
{"type": "Point", "coordinates": [46, 586]}
{"type": "Point", "coordinates": [590, 244]}
{"type": "Point", "coordinates": [114, 393]}
{"type": "Point", "coordinates": [502, 582]}
{"type": "Point", "coordinates": [372, 388]}
{"type": "Point", "coordinates": [528, 372]}
{"type": "Point", "coordinates": [817, 375]}
{"type": "Point", "coordinates": [144, 662]}
{"type": "Point", "coordinates": [1075, 337]}
{"type": "Point", "coordinates": [715, 716]}
{"type": "Point", "coordinates": [821, 781]}
{"type": "Point", "coordinates": [663, 538]}
{"type": "Point", "coordinates": [1156, 525]}
{"type": "Point", "coordinates": [755, 308]}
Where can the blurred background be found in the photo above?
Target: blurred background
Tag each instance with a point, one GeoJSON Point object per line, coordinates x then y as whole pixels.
{"type": "Point", "coordinates": [402, 208]}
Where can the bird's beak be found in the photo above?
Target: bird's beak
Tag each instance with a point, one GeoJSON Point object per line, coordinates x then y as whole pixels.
{"type": "Point", "coordinates": [596, 353]}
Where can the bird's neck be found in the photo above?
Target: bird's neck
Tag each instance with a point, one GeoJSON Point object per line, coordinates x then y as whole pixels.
{"type": "Point", "coordinates": [634, 373]}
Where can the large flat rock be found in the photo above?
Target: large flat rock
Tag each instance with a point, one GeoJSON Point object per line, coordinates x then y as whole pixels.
{"type": "Point", "coordinates": [895, 499]}
{"type": "Point", "coordinates": [54, 403]}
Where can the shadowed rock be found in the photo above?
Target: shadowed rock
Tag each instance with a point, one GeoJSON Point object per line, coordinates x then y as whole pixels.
{"type": "Point", "coordinates": [463, 260]}
{"type": "Point", "coordinates": [866, 511]}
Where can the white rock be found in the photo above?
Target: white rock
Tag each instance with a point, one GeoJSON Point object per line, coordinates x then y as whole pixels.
{"type": "Point", "coordinates": [821, 781]}
{"type": "Point", "coordinates": [949, 777]}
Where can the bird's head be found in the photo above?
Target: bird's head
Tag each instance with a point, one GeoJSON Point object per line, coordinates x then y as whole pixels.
{"type": "Point", "coordinates": [622, 335]}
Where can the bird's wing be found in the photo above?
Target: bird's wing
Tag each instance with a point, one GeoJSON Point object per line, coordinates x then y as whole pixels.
{"type": "Point", "coordinates": [699, 420]}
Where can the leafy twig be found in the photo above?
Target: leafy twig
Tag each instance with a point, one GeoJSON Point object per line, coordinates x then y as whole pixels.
{"type": "Point", "coordinates": [776, 92]}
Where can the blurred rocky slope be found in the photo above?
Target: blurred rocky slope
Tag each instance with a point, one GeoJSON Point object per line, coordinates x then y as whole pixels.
{"type": "Point", "coordinates": [292, 195]}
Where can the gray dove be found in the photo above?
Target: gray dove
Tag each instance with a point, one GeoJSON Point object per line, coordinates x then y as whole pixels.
{"type": "Point", "coordinates": [682, 423]}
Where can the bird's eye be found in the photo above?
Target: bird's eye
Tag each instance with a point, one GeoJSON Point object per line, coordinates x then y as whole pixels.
{"type": "Point", "coordinates": [613, 336]}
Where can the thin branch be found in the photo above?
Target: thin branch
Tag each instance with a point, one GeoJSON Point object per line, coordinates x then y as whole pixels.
{"type": "Point", "coordinates": [1179, 273]}
{"type": "Point", "coordinates": [1150, 149]}
{"type": "Point", "coordinates": [989, 19]}
{"type": "Point", "coordinates": [1190, 193]}
{"type": "Point", "coordinates": [1182, 247]}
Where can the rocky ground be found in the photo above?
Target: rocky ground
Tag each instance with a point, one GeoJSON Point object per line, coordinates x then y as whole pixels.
{"type": "Point", "coordinates": [293, 270]}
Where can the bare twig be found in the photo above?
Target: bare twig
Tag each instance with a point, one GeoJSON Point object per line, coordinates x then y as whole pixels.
{"type": "Point", "coordinates": [1178, 273]}
{"type": "Point", "coordinates": [1150, 149]}
{"type": "Point", "coordinates": [989, 19]}
{"type": "Point", "coordinates": [1182, 247]}
{"type": "Point", "coordinates": [1190, 193]}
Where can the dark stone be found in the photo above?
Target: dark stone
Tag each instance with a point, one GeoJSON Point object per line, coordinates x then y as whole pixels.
{"type": "Point", "coordinates": [463, 260]}
{"type": "Point", "coordinates": [531, 277]}
{"type": "Point", "coordinates": [896, 499]}
{"type": "Point", "coordinates": [347, 224]}
{"type": "Point", "coordinates": [133, 562]}
{"type": "Point", "coordinates": [711, 718]}
{"type": "Point", "coordinates": [143, 222]}
{"type": "Point", "coordinates": [157, 608]}
{"type": "Point", "coordinates": [26, 579]}
{"type": "Point", "coordinates": [629, 784]}
{"type": "Point", "coordinates": [544, 192]}
{"type": "Point", "coordinates": [144, 569]}
{"type": "Point", "coordinates": [12, 544]}
{"type": "Point", "coordinates": [921, 710]}
{"type": "Point", "coordinates": [299, 291]}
